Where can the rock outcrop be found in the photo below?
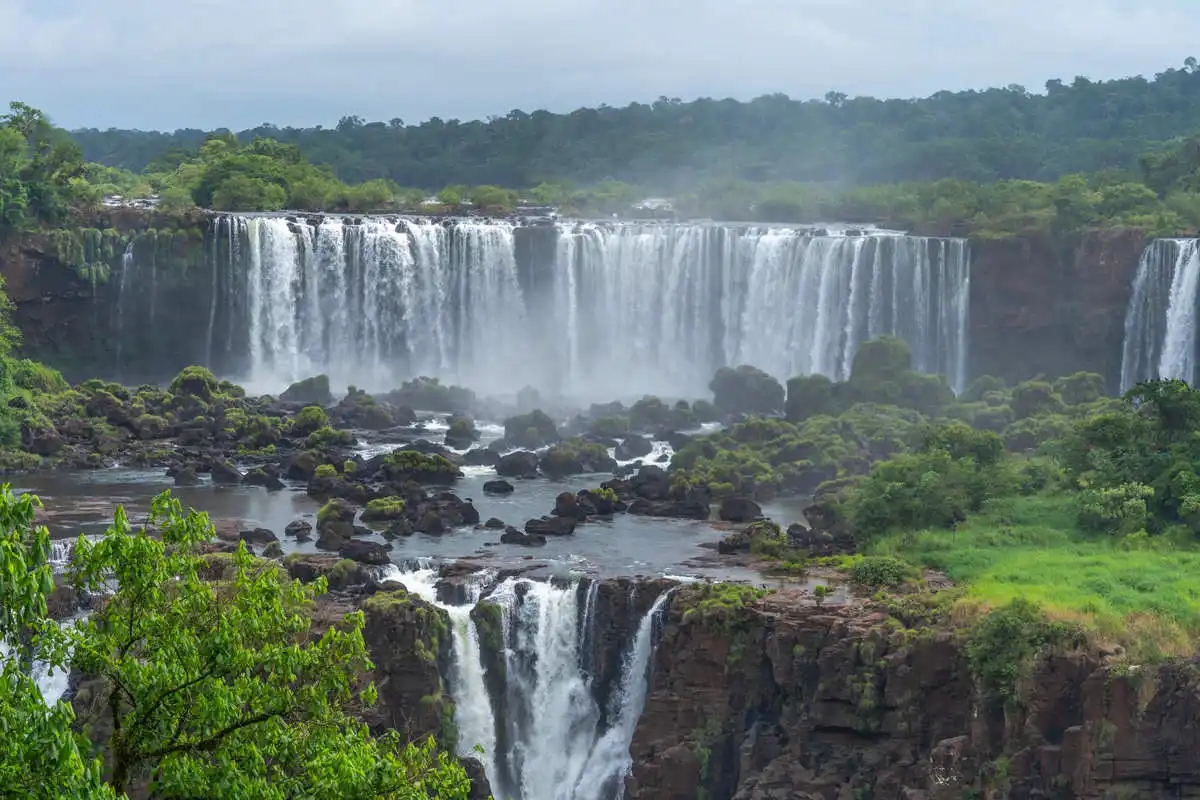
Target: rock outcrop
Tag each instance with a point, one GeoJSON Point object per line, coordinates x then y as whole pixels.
{"type": "Point", "coordinates": [779, 699]}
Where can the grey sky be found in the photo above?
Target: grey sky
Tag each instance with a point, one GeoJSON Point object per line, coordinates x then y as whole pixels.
{"type": "Point", "coordinates": [235, 63]}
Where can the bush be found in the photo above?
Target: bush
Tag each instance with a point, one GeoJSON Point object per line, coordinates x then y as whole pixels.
{"type": "Point", "coordinates": [881, 572]}
{"type": "Point", "coordinates": [309, 420]}
{"type": "Point", "coordinates": [196, 382]}
{"type": "Point", "coordinates": [532, 430]}
{"type": "Point", "coordinates": [326, 437]}
{"type": "Point", "coordinates": [37, 377]}
{"type": "Point", "coordinates": [609, 427]}
{"type": "Point", "coordinates": [809, 396]}
{"type": "Point", "coordinates": [1080, 388]}
{"type": "Point", "coordinates": [1003, 644]}
{"type": "Point", "coordinates": [746, 390]}
{"type": "Point", "coordinates": [982, 386]}
{"type": "Point", "coordinates": [1035, 398]}
{"type": "Point", "coordinates": [383, 509]}
{"type": "Point", "coordinates": [1120, 510]}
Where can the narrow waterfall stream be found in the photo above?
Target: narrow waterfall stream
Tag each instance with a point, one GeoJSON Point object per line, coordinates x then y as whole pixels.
{"type": "Point", "coordinates": [556, 738]}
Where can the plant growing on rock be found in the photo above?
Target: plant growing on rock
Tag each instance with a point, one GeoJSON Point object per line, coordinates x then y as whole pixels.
{"type": "Point", "coordinates": [195, 382]}
{"type": "Point", "coordinates": [746, 390]}
{"type": "Point", "coordinates": [309, 420]}
{"type": "Point", "coordinates": [325, 471]}
{"type": "Point", "coordinates": [383, 509]}
{"type": "Point", "coordinates": [403, 465]}
{"type": "Point", "coordinates": [314, 390]}
{"type": "Point", "coordinates": [531, 430]}
{"type": "Point", "coordinates": [327, 438]}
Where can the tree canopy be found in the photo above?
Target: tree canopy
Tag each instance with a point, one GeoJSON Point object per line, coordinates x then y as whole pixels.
{"type": "Point", "coordinates": [206, 673]}
{"type": "Point", "coordinates": [994, 134]}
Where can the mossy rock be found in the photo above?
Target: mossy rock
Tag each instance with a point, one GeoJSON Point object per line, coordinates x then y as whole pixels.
{"type": "Point", "coordinates": [383, 509]}
{"type": "Point", "coordinates": [310, 390]}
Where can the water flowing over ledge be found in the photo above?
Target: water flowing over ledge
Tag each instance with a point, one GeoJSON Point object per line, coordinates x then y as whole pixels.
{"type": "Point", "coordinates": [1160, 324]}
{"type": "Point", "coordinates": [590, 310]}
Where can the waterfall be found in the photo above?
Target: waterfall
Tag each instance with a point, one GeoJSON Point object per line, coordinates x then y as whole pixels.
{"type": "Point", "coordinates": [596, 310]}
{"type": "Point", "coordinates": [1160, 323]}
{"type": "Point", "coordinates": [561, 746]}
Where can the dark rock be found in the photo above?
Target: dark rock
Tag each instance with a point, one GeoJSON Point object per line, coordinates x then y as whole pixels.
{"type": "Point", "coordinates": [187, 477]}
{"type": "Point", "coordinates": [521, 464]}
{"type": "Point", "coordinates": [498, 487]}
{"type": "Point", "coordinates": [551, 526]}
{"type": "Point", "coordinates": [531, 430]}
{"type": "Point", "coordinates": [302, 466]}
{"type": "Point", "coordinates": [225, 473]}
{"type": "Point", "coordinates": [300, 529]}
{"type": "Point", "coordinates": [401, 527]}
{"type": "Point", "coordinates": [371, 553]}
{"type": "Point", "coordinates": [819, 544]}
{"type": "Point", "coordinates": [258, 536]}
{"type": "Point", "coordinates": [481, 789]}
{"type": "Point", "coordinates": [310, 391]}
{"type": "Point", "coordinates": [494, 524]}
{"type": "Point", "coordinates": [481, 457]}
{"type": "Point", "coordinates": [739, 509]}
{"type": "Point", "coordinates": [260, 477]}
{"type": "Point", "coordinates": [694, 506]}
{"type": "Point", "coordinates": [634, 447]}
{"type": "Point", "coordinates": [332, 535]}
{"type": "Point", "coordinates": [576, 506]}
{"type": "Point", "coordinates": [341, 573]}
{"type": "Point", "coordinates": [734, 542]}
{"type": "Point", "coordinates": [514, 536]}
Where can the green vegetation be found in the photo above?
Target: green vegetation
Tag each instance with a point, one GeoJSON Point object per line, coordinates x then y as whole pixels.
{"type": "Point", "coordinates": [326, 438]}
{"type": "Point", "coordinates": [309, 421]}
{"type": "Point", "coordinates": [253, 703]}
{"type": "Point", "coordinates": [325, 471]}
{"type": "Point", "coordinates": [402, 465]}
{"type": "Point", "coordinates": [383, 509]}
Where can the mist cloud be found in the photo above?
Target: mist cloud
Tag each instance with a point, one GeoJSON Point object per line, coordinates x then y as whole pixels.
{"type": "Point", "coordinates": [237, 63]}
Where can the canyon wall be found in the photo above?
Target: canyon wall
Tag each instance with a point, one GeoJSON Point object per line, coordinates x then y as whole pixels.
{"type": "Point", "coordinates": [777, 699]}
{"type": "Point", "coordinates": [1049, 305]}
{"type": "Point", "coordinates": [134, 296]}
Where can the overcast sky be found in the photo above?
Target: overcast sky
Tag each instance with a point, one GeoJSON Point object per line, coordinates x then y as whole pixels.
{"type": "Point", "coordinates": [235, 63]}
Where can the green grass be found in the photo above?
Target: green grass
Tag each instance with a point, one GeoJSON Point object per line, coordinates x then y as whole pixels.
{"type": "Point", "coordinates": [1144, 595]}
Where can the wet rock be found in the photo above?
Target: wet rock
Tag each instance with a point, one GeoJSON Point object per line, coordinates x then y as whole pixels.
{"type": "Point", "coordinates": [225, 473]}
{"type": "Point", "coordinates": [651, 483]}
{"type": "Point", "coordinates": [333, 535]}
{"type": "Point", "coordinates": [522, 464]}
{"type": "Point", "coordinates": [310, 391]}
{"type": "Point", "coordinates": [498, 487]}
{"type": "Point", "coordinates": [481, 457]}
{"type": "Point", "coordinates": [371, 553]}
{"type": "Point", "coordinates": [663, 459]}
{"type": "Point", "coordinates": [260, 477]}
{"type": "Point", "coordinates": [300, 529]}
{"type": "Point", "coordinates": [819, 544]}
{"type": "Point", "coordinates": [634, 447]}
{"type": "Point", "coordinates": [307, 567]}
{"type": "Point", "coordinates": [258, 536]}
{"type": "Point", "coordinates": [481, 789]}
{"type": "Point", "coordinates": [441, 513]}
{"type": "Point", "coordinates": [495, 524]}
{"type": "Point", "coordinates": [401, 527]}
{"type": "Point", "coordinates": [739, 509]}
{"type": "Point", "coordinates": [551, 526]}
{"type": "Point", "coordinates": [273, 550]}
{"type": "Point", "coordinates": [187, 477]}
{"type": "Point", "coordinates": [576, 506]}
{"type": "Point", "coordinates": [302, 466]}
{"type": "Point", "coordinates": [734, 542]}
{"type": "Point", "coordinates": [514, 536]}
{"type": "Point", "coordinates": [693, 506]}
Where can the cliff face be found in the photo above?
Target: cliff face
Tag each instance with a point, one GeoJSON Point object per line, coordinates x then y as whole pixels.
{"type": "Point", "coordinates": [1053, 306]}
{"type": "Point", "coordinates": [782, 701]}
{"type": "Point", "coordinates": [79, 309]}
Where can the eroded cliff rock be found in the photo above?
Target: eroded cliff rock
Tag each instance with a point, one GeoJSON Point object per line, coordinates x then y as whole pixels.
{"type": "Point", "coordinates": [778, 700]}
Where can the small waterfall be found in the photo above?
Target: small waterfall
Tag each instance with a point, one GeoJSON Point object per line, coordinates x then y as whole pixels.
{"type": "Point", "coordinates": [560, 747]}
{"type": "Point", "coordinates": [126, 270]}
{"type": "Point", "coordinates": [615, 308]}
{"type": "Point", "coordinates": [1160, 323]}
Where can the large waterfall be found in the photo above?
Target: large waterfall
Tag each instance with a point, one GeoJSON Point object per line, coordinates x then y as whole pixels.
{"type": "Point", "coordinates": [553, 733]}
{"type": "Point", "coordinates": [1160, 324]}
{"type": "Point", "coordinates": [586, 309]}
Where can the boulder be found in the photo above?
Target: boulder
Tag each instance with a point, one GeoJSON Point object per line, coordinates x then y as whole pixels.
{"type": "Point", "coordinates": [634, 447]}
{"type": "Point", "coordinates": [401, 527]}
{"type": "Point", "coordinates": [734, 542]}
{"type": "Point", "coordinates": [498, 487]}
{"type": "Point", "coordinates": [739, 509]}
{"type": "Point", "coordinates": [481, 457]}
{"type": "Point", "coordinates": [371, 553]}
{"type": "Point", "coordinates": [272, 550]}
{"type": "Point", "coordinates": [521, 464]}
{"type": "Point", "coordinates": [302, 466]}
{"type": "Point", "coordinates": [260, 477]}
{"type": "Point", "coordinates": [551, 526]}
{"type": "Point", "coordinates": [187, 476]}
{"type": "Point", "coordinates": [495, 524]}
{"type": "Point", "coordinates": [331, 536]}
{"type": "Point", "coordinates": [225, 473]}
{"type": "Point", "coordinates": [300, 529]}
{"type": "Point", "coordinates": [258, 536]}
{"type": "Point", "coordinates": [514, 536]}
{"type": "Point", "coordinates": [576, 506]}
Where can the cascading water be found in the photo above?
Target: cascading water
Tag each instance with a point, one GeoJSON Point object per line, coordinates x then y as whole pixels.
{"type": "Point", "coordinates": [1160, 323]}
{"type": "Point", "coordinates": [561, 743]}
{"type": "Point", "coordinates": [585, 309]}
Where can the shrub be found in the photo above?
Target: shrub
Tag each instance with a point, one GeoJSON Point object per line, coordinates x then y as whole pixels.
{"type": "Point", "coordinates": [325, 471]}
{"type": "Point", "coordinates": [1121, 509]}
{"type": "Point", "coordinates": [327, 437]}
{"type": "Point", "coordinates": [309, 420]}
{"type": "Point", "coordinates": [1003, 643]}
{"type": "Point", "coordinates": [196, 382]}
{"type": "Point", "coordinates": [1080, 388]}
{"type": "Point", "coordinates": [383, 509]}
{"type": "Point", "coordinates": [609, 427]}
{"type": "Point", "coordinates": [37, 377]}
{"type": "Point", "coordinates": [746, 390]}
{"type": "Point", "coordinates": [809, 396]}
{"type": "Point", "coordinates": [881, 572]}
{"type": "Point", "coordinates": [1035, 398]}
{"type": "Point", "coordinates": [534, 429]}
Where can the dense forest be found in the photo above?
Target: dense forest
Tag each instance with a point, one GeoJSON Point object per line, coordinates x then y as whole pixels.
{"type": "Point", "coordinates": [1000, 133]}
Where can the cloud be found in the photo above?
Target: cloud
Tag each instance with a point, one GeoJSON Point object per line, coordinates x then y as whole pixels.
{"type": "Point", "coordinates": [236, 63]}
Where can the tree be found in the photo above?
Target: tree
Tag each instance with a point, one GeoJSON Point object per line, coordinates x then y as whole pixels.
{"type": "Point", "coordinates": [40, 757]}
{"type": "Point", "coordinates": [214, 683]}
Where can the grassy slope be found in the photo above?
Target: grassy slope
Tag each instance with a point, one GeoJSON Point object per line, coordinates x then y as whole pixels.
{"type": "Point", "coordinates": [1145, 597]}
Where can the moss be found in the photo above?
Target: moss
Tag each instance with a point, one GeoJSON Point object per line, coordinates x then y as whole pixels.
{"type": "Point", "coordinates": [489, 622]}
{"type": "Point", "coordinates": [195, 382]}
{"type": "Point", "coordinates": [310, 390]}
{"type": "Point", "coordinates": [325, 471]}
{"type": "Point", "coordinates": [309, 420]}
{"type": "Point", "coordinates": [327, 437]}
{"type": "Point", "coordinates": [413, 465]}
{"type": "Point", "coordinates": [383, 509]}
